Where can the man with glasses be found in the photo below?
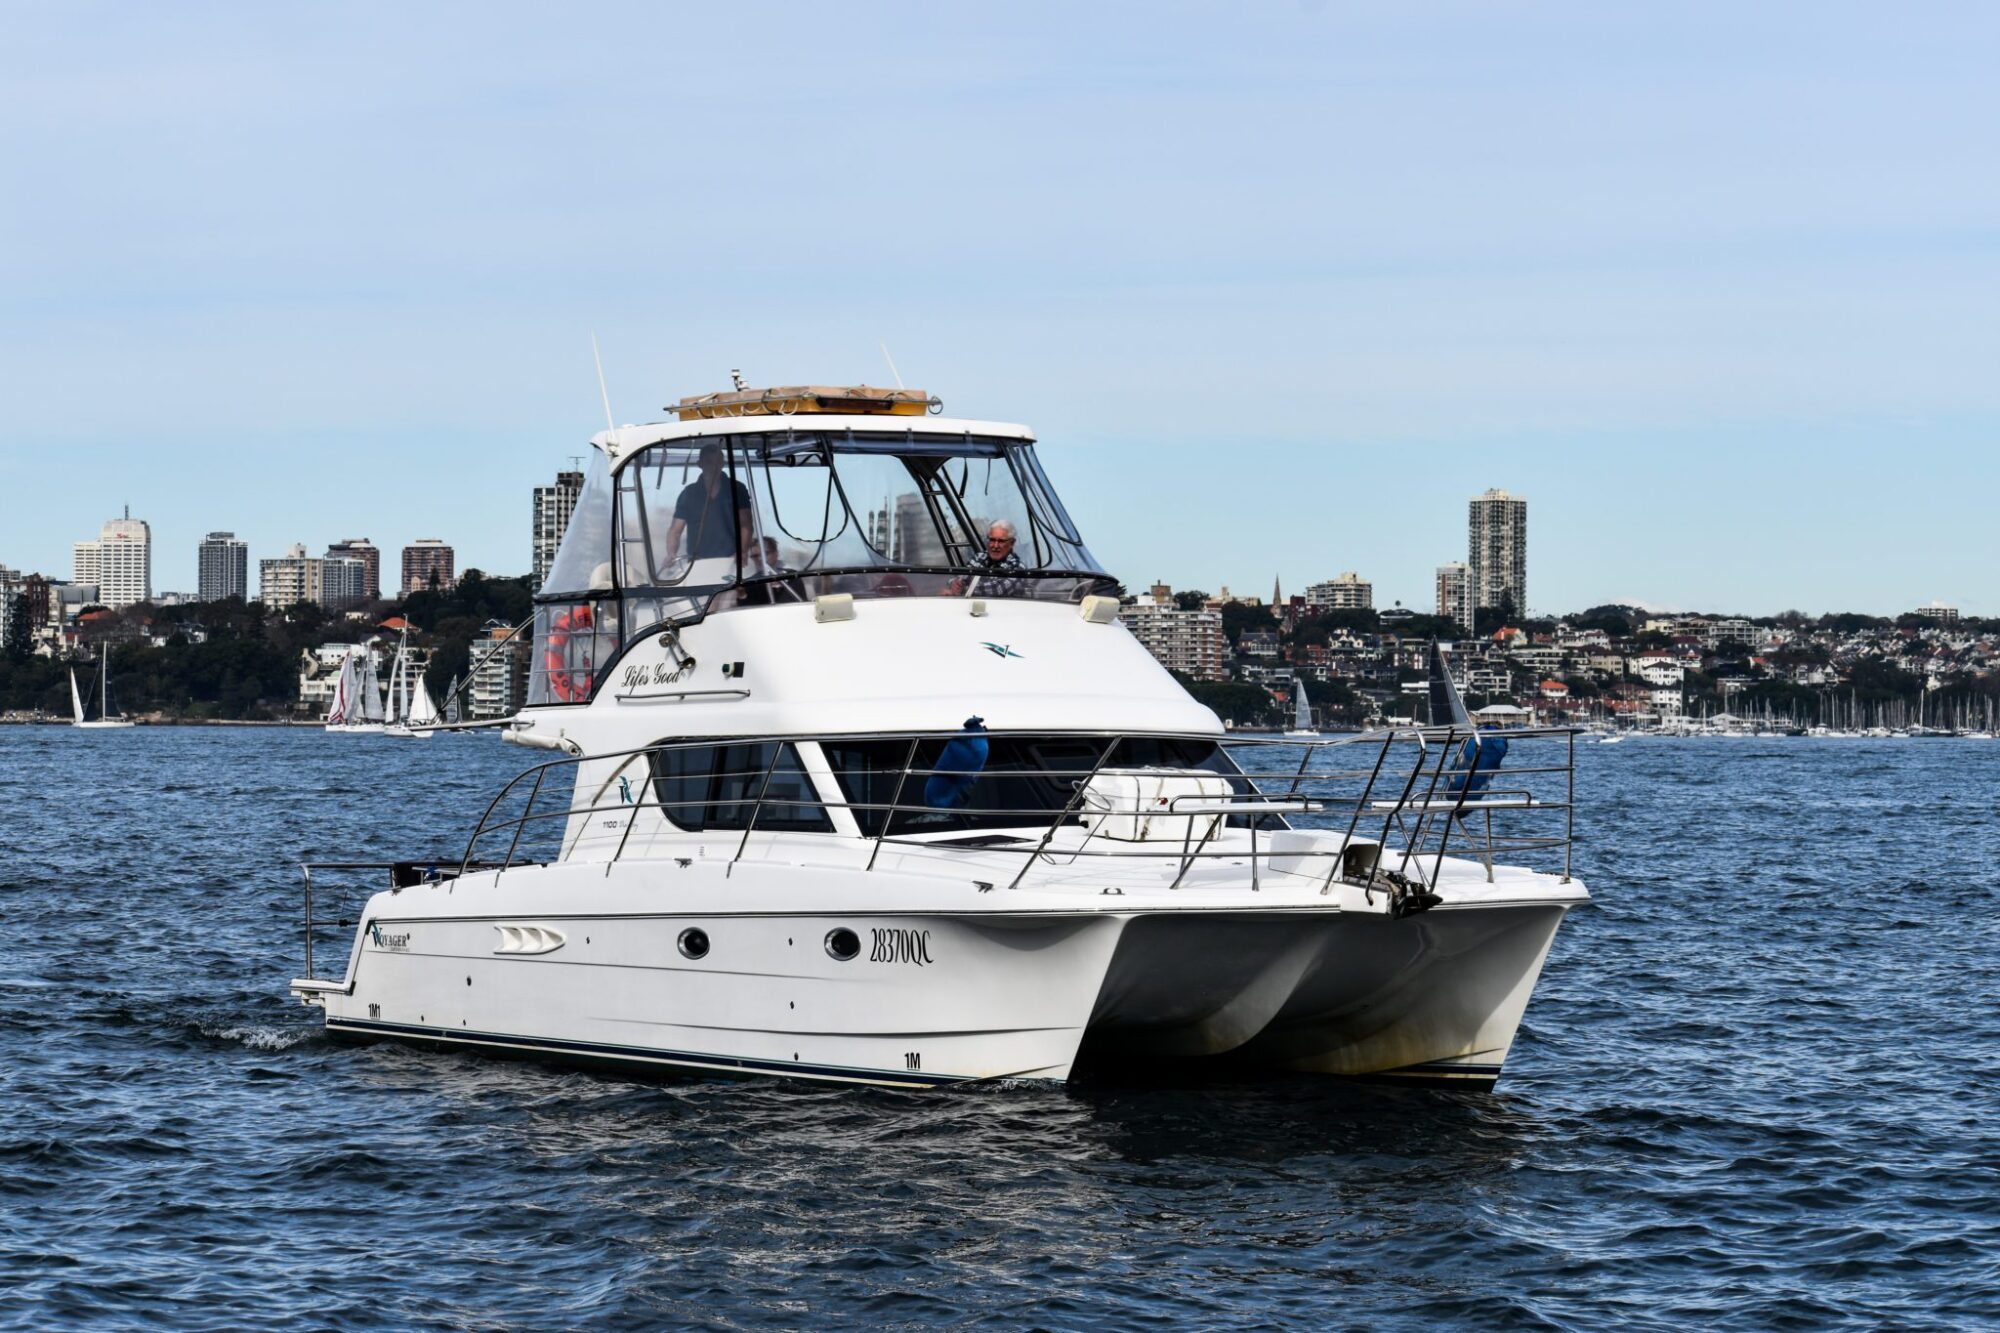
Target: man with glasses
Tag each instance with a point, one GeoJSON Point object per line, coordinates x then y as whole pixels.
{"type": "Point", "coordinates": [997, 573]}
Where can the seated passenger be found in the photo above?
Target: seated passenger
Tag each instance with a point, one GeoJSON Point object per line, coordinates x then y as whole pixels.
{"type": "Point", "coordinates": [786, 586]}
{"type": "Point", "coordinates": [998, 572]}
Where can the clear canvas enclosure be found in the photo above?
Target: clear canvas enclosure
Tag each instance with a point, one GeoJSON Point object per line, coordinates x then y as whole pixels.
{"type": "Point", "coordinates": [690, 527]}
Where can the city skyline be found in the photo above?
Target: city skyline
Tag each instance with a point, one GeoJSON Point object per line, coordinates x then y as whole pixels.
{"type": "Point", "coordinates": [1355, 266]}
{"type": "Point", "coordinates": [550, 513]}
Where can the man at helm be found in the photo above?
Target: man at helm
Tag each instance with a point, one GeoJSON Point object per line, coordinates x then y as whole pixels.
{"type": "Point", "coordinates": [711, 522]}
{"type": "Point", "coordinates": [997, 573]}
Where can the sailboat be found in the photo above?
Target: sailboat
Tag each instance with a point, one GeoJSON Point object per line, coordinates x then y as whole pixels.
{"type": "Point", "coordinates": [1302, 713]}
{"type": "Point", "coordinates": [412, 712]}
{"type": "Point", "coordinates": [105, 717]}
{"type": "Point", "coordinates": [357, 701]}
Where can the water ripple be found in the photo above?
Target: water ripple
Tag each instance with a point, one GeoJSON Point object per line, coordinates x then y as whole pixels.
{"type": "Point", "coordinates": [1754, 1091]}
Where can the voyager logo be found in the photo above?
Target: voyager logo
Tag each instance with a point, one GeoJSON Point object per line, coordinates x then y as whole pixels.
{"type": "Point", "coordinates": [393, 943]}
{"type": "Point", "coordinates": [999, 649]}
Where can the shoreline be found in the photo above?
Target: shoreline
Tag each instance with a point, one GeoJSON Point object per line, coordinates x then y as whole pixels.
{"type": "Point", "coordinates": [160, 722]}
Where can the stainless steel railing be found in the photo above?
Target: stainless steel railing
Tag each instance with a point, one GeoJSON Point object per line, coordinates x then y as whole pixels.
{"type": "Point", "coordinates": [1424, 784]}
{"type": "Point", "coordinates": [1421, 786]}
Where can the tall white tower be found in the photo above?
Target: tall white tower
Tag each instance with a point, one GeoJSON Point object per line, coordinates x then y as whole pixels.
{"type": "Point", "coordinates": [122, 560]}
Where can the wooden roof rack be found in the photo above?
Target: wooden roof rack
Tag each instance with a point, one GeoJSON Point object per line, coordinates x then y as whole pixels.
{"type": "Point", "coordinates": [806, 400]}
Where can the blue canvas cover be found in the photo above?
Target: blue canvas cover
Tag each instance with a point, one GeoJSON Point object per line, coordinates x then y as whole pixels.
{"type": "Point", "coordinates": [958, 767]}
{"type": "Point", "coordinates": [1472, 777]}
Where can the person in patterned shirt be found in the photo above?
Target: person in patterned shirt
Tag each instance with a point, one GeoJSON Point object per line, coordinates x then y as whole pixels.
{"type": "Point", "coordinates": [998, 572]}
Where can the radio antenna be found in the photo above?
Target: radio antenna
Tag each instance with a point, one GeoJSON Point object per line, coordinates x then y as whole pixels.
{"type": "Point", "coordinates": [892, 364]}
{"type": "Point", "coordinates": [602, 391]}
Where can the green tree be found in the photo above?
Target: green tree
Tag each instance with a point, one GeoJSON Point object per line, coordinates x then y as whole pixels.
{"type": "Point", "coordinates": [1239, 616]}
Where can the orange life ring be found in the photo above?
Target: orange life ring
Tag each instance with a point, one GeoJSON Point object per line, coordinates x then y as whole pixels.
{"type": "Point", "coordinates": [568, 683]}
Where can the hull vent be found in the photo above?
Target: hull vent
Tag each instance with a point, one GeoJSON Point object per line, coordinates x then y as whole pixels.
{"type": "Point", "coordinates": [529, 939]}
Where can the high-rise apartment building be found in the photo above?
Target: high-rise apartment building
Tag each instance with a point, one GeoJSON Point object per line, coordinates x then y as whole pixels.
{"type": "Point", "coordinates": [119, 562]}
{"type": "Point", "coordinates": [426, 561]}
{"type": "Point", "coordinates": [223, 568]}
{"type": "Point", "coordinates": [334, 583]}
{"type": "Point", "coordinates": [343, 582]}
{"type": "Point", "coordinates": [360, 548]}
{"type": "Point", "coordinates": [1190, 642]}
{"type": "Point", "coordinates": [1451, 599]}
{"type": "Point", "coordinates": [1343, 592]}
{"type": "Point", "coordinates": [291, 578]}
{"type": "Point", "coordinates": [499, 684]}
{"type": "Point", "coordinates": [1497, 551]}
{"type": "Point", "coordinates": [553, 506]}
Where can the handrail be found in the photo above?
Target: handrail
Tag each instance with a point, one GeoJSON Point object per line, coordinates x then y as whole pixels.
{"type": "Point", "coordinates": [1068, 813]}
{"type": "Point", "coordinates": [1408, 768]}
{"type": "Point", "coordinates": [1433, 831]}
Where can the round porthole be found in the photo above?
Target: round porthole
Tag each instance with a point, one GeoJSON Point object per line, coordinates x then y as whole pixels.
{"type": "Point", "coordinates": [694, 942]}
{"type": "Point", "coordinates": [843, 944]}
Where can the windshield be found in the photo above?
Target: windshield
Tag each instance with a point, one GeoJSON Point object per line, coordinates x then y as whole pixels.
{"type": "Point", "coordinates": [707, 513]}
{"type": "Point", "coordinates": [582, 564]}
{"type": "Point", "coordinates": [688, 527]}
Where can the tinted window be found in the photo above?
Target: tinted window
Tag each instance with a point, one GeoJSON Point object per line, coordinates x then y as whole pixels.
{"type": "Point", "coordinates": [716, 787]}
{"type": "Point", "coordinates": [1024, 781]}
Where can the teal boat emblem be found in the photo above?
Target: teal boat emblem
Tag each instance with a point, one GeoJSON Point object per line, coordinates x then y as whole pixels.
{"type": "Point", "coordinates": [999, 649]}
{"type": "Point", "coordinates": [625, 790]}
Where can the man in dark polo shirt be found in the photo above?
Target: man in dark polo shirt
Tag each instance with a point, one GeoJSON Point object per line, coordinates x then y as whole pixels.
{"type": "Point", "coordinates": [711, 522]}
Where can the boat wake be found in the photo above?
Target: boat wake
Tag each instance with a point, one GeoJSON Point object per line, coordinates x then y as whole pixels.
{"type": "Point", "coordinates": [258, 1037]}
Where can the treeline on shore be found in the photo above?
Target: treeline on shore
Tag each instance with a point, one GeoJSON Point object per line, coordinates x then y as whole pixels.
{"type": "Point", "coordinates": [1870, 682]}
{"type": "Point", "coordinates": [245, 665]}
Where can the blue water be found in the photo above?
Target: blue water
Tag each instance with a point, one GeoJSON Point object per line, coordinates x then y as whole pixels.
{"type": "Point", "coordinates": [1756, 1089]}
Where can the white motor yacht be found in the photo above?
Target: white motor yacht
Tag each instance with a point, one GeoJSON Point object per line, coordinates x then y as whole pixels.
{"type": "Point", "coordinates": [854, 773]}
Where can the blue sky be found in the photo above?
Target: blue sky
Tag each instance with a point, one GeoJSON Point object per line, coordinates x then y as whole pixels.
{"type": "Point", "coordinates": [1717, 286]}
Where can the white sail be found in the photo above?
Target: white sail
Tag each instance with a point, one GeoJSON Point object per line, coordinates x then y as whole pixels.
{"type": "Point", "coordinates": [75, 697]}
{"type": "Point", "coordinates": [423, 709]}
{"type": "Point", "coordinates": [406, 689]}
{"type": "Point", "coordinates": [371, 688]}
{"type": "Point", "coordinates": [1302, 713]}
{"type": "Point", "coordinates": [395, 711]}
{"type": "Point", "coordinates": [336, 711]}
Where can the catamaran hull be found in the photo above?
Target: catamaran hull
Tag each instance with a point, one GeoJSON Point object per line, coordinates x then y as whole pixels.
{"type": "Point", "coordinates": [932, 999]}
{"type": "Point", "coordinates": [1435, 997]}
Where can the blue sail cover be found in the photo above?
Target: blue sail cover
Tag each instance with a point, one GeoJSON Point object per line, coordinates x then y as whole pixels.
{"type": "Point", "coordinates": [1479, 757]}
{"type": "Point", "coordinates": [958, 768]}
{"type": "Point", "coordinates": [1478, 760]}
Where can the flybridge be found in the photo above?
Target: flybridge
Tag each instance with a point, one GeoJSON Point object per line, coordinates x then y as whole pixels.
{"type": "Point", "coordinates": [804, 494]}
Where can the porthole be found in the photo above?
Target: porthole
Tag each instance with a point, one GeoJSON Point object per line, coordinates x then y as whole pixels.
{"type": "Point", "coordinates": [694, 942]}
{"type": "Point", "coordinates": [842, 944]}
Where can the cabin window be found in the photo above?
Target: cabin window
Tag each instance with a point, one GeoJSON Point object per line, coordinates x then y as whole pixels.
{"type": "Point", "coordinates": [702, 787]}
{"type": "Point", "coordinates": [1024, 782]}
